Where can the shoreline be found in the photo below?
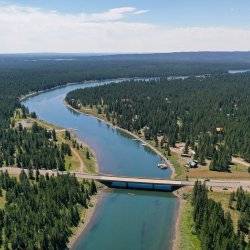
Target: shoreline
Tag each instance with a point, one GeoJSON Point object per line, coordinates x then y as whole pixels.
{"type": "Point", "coordinates": [177, 236]}
{"type": "Point", "coordinates": [147, 144]}
{"type": "Point", "coordinates": [86, 218]}
{"type": "Point", "coordinates": [80, 141]}
{"type": "Point", "coordinates": [87, 213]}
{"type": "Point", "coordinates": [121, 79]}
{"type": "Point", "coordinates": [176, 230]}
{"type": "Point", "coordinates": [95, 200]}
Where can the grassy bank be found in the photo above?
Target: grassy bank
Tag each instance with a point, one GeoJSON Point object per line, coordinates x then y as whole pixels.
{"type": "Point", "coordinates": [139, 137]}
{"type": "Point", "coordinates": [237, 170]}
{"type": "Point", "coordinates": [82, 159]}
{"type": "Point", "coordinates": [185, 235]}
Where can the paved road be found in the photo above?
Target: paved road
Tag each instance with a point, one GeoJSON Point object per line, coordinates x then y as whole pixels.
{"type": "Point", "coordinates": [109, 178]}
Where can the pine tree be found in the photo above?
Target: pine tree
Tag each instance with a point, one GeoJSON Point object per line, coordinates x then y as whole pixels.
{"type": "Point", "coordinates": [54, 135]}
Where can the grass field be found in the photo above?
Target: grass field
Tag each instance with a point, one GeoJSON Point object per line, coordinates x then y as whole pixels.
{"type": "Point", "coordinates": [71, 163]}
{"type": "Point", "coordinates": [178, 164]}
{"type": "Point", "coordinates": [91, 163]}
{"type": "Point", "coordinates": [223, 198]}
{"type": "Point", "coordinates": [237, 172]}
{"type": "Point", "coordinates": [2, 200]}
{"type": "Point", "coordinates": [188, 240]}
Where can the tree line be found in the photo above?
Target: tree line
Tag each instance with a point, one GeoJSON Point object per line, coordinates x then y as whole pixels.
{"type": "Point", "coordinates": [240, 201]}
{"type": "Point", "coordinates": [210, 114]}
{"type": "Point", "coordinates": [32, 148]}
{"type": "Point", "coordinates": [213, 226]}
{"type": "Point", "coordinates": [40, 211]}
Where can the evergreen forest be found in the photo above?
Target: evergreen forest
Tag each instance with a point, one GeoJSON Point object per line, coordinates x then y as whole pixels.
{"type": "Point", "coordinates": [214, 227]}
{"type": "Point", "coordinates": [40, 211]}
{"type": "Point", "coordinates": [210, 114]}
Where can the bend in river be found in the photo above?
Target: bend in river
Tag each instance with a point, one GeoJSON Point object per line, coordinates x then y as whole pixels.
{"type": "Point", "coordinates": [124, 219]}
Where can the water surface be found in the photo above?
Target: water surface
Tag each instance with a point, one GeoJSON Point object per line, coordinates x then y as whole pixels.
{"type": "Point", "coordinates": [238, 71]}
{"type": "Point", "coordinates": [125, 219]}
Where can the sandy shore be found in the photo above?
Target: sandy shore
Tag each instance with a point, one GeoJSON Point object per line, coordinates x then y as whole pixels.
{"type": "Point", "coordinates": [177, 237]}
{"type": "Point", "coordinates": [86, 217]}
{"type": "Point", "coordinates": [129, 133]}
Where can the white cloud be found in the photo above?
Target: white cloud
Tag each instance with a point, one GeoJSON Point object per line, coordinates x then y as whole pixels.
{"type": "Point", "coordinates": [139, 12]}
{"type": "Point", "coordinates": [112, 14]}
{"type": "Point", "coordinates": [26, 29]}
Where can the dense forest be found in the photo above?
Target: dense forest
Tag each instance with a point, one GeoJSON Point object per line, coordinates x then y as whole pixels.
{"type": "Point", "coordinates": [32, 148]}
{"type": "Point", "coordinates": [41, 210]}
{"type": "Point", "coordinates": [215, 227]}
{"type": "Point", "coordinates": [21, 74]}
{"type": "Point", "coordinates": [210, 114]}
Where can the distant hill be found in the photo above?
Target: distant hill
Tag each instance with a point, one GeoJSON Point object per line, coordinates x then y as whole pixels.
{"type": "Point", "coordinates": [203, 56]}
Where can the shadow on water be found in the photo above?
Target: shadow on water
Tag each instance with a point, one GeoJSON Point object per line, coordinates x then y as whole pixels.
{"type": "Point", "coordinates": [140, 186]}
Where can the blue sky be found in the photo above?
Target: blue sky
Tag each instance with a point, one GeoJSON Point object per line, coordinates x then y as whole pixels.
{"type": "Point", "coordinates": [233, 13]}
{"type": "Point", "coordinates": [124, 26]}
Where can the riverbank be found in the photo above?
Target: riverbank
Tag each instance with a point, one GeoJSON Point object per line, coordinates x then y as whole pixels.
{"type": "Point", "coordinates": [34, 93]}
{"type": "Point", "coordinates": [86, 165]}
{"type": "Point", "coordinates": [176, 240]}
{"type": "Point", "coordinates": [178, 194]}
{"type": "Point", "coordinates": [86, 217]}
{"type": "Point", "coordinates": [184, 238]}
{"type": "Point", "coordinates": [135, 136]}
{"type": "Point", "coordinates": [94, 201]}
{"type": "Point", "coordinates": [84, 128]}
{"type": "Point", "coordinates": [86, 214]}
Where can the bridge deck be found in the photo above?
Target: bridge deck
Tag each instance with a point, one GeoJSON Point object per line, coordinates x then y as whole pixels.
{"type": "Point", "coordinates": [139, 180]}
{"type": "Point", "coordinates": [153, 181]}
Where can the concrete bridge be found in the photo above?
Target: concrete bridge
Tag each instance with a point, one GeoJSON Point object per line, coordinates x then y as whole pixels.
{"type": "Point", "coordinates": [141, 182]}
{"type": "Point", "coordinates": [129, 182]}
{"type": "Point", "coordinates": [156, 183]}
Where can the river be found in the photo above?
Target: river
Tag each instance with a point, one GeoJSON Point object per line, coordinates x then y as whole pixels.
{"type": "Point", "coordinates": [124, 219]}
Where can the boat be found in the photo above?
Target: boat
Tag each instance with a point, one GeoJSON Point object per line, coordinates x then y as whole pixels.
{"type": "Point", "coordinates": [162, 165]}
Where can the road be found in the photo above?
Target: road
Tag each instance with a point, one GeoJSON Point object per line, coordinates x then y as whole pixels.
{"type": "Point", "coordinates": [234, 184]}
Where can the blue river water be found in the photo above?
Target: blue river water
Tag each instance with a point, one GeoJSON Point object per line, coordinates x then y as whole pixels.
{"type": "Point", "coordinates": [124, 219]}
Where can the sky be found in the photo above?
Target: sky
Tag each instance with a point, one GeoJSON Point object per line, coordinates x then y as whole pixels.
{"type": "Point", "coordinates": [119, 26]}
